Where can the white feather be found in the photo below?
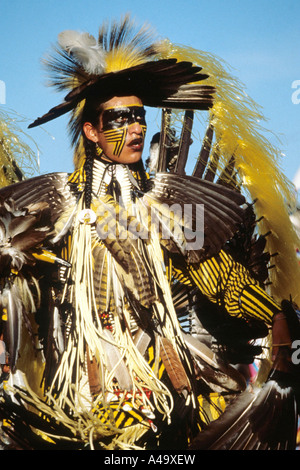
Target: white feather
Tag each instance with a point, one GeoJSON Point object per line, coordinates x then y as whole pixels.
{"type": "Point", "coordinates": [296, 180]}
{"type": "Point", "coordinates": [141, 341]}
{"type": "Point", "coordinates": [57, 331]}
{"type": "Point", "coordinates": [84, 48]}
{"type": "Point", "coordinates": [115, 363]}
{"type": "Point", "coordinates": [153, 154]}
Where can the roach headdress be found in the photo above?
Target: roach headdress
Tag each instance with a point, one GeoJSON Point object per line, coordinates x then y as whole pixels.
{"type": "Point", "coordinates": [120, 62]}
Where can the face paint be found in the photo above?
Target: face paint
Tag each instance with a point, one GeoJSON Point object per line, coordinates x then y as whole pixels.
{"type": "Point", "coordinates": [119, 117]}
{"type": "Point", "coordinates": [118, 138]}
{"type": "Point", "coordinates": [120, 134]}
{"type": "Point", "coordinates": [117, 121]}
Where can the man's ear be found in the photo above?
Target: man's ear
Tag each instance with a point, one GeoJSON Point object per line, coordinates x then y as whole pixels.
{"type": "Point", "coordinates": [90, 132]}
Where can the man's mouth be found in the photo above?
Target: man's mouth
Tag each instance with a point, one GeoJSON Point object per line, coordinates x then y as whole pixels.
{"type": "Point", "coordinates": [136, 144]}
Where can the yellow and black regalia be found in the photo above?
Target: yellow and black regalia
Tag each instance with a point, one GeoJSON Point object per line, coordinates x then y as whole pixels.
{"type": "Point", "coordinates": [133, 302]}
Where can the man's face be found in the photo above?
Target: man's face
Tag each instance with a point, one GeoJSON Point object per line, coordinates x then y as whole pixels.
{"type": "Point", "coordinates": [121, 130]}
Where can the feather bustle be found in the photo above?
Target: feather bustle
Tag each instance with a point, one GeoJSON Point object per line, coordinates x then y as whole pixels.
{"type": "Point", "coordinates": [222, 206]}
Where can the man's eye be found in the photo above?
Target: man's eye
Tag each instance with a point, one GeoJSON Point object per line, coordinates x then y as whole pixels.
{"type": "Point", "coordinates": [121, 119]}
{"type": "Point", "coordinates": [141, 116]}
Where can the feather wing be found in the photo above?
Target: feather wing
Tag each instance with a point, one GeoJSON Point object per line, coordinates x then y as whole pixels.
{"type": "Point", "coordinates": [264, 418]}
{"type": "Point", "coordinates": [52, 189]}
{"type": "Point", "coordinates": [213, 371]}
{"type": "Point", "coordinates": [21, 232]}
{"type": "Point", "coordinates": [27, 211]}
{"type": "Point", "coordinates": [222, 208]}
{"type": "Point", "coordinates": [249, 249]}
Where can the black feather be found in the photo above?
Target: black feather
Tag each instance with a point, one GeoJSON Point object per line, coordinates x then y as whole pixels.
{"type": "Point", "coordinates": [185, 142]}
{"type": "Point", "coordinates": [158, 84]}
{"type": "Point", "coordinates": [204, 153]}
{"type": "Point", "coordinates": [248, 248]}
{"type": "Point", "coordinates": [222, 207]}
{"type": "Point", "coordinates": [164, 141]}
{"type": "Point", "coordinates": [264, 420]}
{"type": "Point", "coordinates": [52, 189]}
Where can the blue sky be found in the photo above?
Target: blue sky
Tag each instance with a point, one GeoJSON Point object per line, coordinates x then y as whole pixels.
{"type": "Point", "coordinates": [260, 40]}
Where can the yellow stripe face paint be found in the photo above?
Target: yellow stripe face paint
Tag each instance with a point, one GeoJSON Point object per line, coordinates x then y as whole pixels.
{"type": "Point", "coordinates": [116, 122]}
{"type": "Point", "coordinates": [118, 137]}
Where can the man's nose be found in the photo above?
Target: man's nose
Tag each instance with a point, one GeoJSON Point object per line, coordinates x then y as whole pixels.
{"type": "Point", "coordinates": [135, 128]}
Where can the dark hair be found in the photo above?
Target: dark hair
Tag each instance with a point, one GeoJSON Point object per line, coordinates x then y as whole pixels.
{"type": "Point", "coordinates": [91, 113]}
{"type": "Point", "coordinates": [89, 148]}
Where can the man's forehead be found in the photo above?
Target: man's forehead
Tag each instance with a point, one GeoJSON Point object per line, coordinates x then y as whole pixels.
{"type": "Point", "coordinates": [123, 106]}
{"type": "Point", "coordinates": [122, 101]}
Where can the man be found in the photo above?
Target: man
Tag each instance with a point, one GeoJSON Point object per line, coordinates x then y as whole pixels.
{"type": "Point", "coordinates": [118, 365]}
{"type": "Point", "coordinates": [119, 113]}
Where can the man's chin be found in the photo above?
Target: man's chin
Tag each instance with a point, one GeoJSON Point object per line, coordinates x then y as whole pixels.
{"type": "Point", "coordinates": [133, 158]}
{"type": "Point", "coordinates": [126, 159]}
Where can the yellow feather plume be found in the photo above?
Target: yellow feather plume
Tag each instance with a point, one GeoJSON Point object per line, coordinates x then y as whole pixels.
{"type": "Point", "coordinates": [18, 160]}
{"type": "Point", "coordinates": [236, 120]}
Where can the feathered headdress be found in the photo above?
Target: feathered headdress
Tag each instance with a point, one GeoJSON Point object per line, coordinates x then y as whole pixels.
{"type": "Point", "coordinates": [120, 62]}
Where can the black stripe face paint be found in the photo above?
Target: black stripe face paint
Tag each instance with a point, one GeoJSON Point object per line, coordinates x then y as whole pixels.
{"type": "Point", "coordinates": [116, 122]}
